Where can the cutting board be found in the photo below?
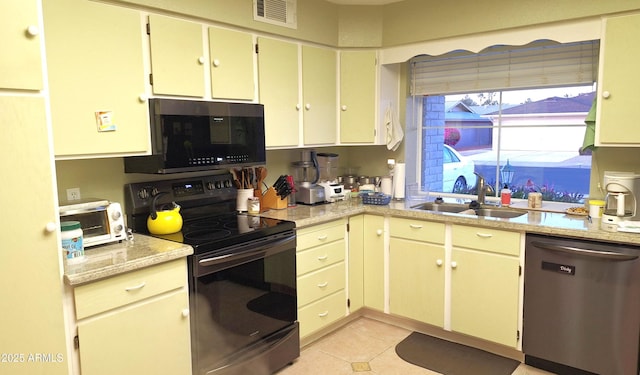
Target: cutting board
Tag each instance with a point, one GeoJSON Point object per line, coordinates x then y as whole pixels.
{"type": "Point", "coordinates": [546, 206]}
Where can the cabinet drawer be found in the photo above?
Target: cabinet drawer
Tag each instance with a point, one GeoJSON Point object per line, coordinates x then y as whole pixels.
{"type": "Point", "coordinates": [416, 230]}
{"type": "Point", "coordinates": [321, 313]}
{"type": "Point", "coordinates": [320, 234]}
{"type": "Point", "coordinates": [497, 241]}
{"type": "Point", "coordinates": [318, 284]}
{"type": "Point", "coordinates": [320, 256]}
{"type": "Point", "coordinates": [123, 289]}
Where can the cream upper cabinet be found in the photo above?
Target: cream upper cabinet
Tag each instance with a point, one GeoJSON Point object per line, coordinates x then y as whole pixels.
{"type": "Point", "coordinates": [373, 263]}
{"type": "Point", "coordinates": [358, 72]}
{"type": "Point", "coordinates": [319, 83]}
{"type": "Point", "coordinates": [416, 270]}
{"type": "Point", "coordinates": [32, 314]}
{"type": "Point", "coordinates": [177, 56]}
{"type": "Point", "coordinates": [617, 123]}
{"type": "Point", "coordinates": [135, 323]}
{"type": "Point", "coordinates": [485, 279]}
{"type": "Point", "coordinates": [96, 78]}
{"type": "Point", "coordinates": [321, 275]}
{"type": "Point", "coordinates": [20, 61]}
{"type": "Point", "coordinates": [278, 86]}
{"type": "Point", "coordinates": [231, 61]}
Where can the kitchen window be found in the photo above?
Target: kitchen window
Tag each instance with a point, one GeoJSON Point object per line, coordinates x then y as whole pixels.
{"type": "Point", "coordinates": [515, 115]}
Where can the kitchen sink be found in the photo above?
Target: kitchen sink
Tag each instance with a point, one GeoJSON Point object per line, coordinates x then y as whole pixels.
{"type": "Point", "coordinates": [502, 213]}
{"type": "Point", "coordinates": [442, 207]}
{"type": "Point", "coordinates": [497, 212]}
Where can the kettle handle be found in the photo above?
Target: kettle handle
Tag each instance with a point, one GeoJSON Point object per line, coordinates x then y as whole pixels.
{"type": "Point", "coordinates": [154, 211]}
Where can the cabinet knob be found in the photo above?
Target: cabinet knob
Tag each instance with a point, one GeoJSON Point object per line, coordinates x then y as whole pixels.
{"type": "Point", "coordinates": [439, 262]}
{"type": "Point", "coordinates": [50, 227]}
{"type": "Point", "coordinates": [606, 94]}
{"type": "Point", "coordinates": [185, 313]}
{"type": "Point", "coordinates": [379, 232]}
{"type": "Point", "coordinates": [201, 60]}
{"type": "Point", "coordinates": [33, 30]}
{"type": "Point", "coordinates": [142, 98]}
{"type": "Point", "coordinates": [307, 106]}
{"type": "Point", "coordinates": [298, 107]}
{"type": "Point", "coordinates": [216, 62]}
{"type": "Point", "coordinates": [343, 107]}
{"type": "Point", "coordinates": [454, 264]}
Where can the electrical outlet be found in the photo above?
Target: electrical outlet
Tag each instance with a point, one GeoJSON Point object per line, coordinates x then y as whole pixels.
{"type": "Point", "coordinates": [73, 194]}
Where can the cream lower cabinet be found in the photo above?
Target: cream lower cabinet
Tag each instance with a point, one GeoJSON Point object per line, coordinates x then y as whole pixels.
{"type": "Point", "coordinates": [321, 275]}
{"type": "Point", "coordinates": [485, 279]}
{"type": "Point", "coordinates": [356, 263]}
{"type": "Point", "coordinates": [373, 262]}
{"type": "Point", "coordinates": [416, 272]}
{"type": "Point", "coordinates": [135, 323]}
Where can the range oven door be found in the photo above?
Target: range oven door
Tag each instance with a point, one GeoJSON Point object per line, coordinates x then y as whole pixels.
{"type": "Point", "coordinates": [242, 299]}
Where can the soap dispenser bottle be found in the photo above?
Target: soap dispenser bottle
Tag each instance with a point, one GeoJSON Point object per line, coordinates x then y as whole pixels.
{"type": "Point", "coordinates": [505, 195]}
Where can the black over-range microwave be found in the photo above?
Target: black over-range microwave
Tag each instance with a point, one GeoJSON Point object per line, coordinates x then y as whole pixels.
{"type": "Point", "coordinates": [191, 135]}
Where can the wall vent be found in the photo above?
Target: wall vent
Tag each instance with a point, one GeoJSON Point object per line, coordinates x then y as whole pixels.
{"type": "Point", "coordinates": [276, 12]}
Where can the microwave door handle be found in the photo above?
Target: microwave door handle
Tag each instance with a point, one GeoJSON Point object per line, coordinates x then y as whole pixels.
{"type": "Point", "coordinates": [608, 255]}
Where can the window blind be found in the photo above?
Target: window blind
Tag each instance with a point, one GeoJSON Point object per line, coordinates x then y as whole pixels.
{"type": "Point", "coordinates": [535, 65]}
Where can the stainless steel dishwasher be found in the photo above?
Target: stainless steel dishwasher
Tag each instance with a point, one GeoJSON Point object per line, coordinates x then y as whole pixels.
{"type": "Point", "coordinates": [581, 306]}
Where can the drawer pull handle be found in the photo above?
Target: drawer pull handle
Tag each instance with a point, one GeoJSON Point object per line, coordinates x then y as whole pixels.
{"type": "Point", "coordinates": [322, 315]}
{"type": "Point", "coordinates": [415, 226]}
{"type": "Point", "coordinates": [322, 238]}
{"type": "Point", "coordinates": [323, 285]}
{"type": "Point", "coordinates": [323, 257]}
{"type": "Point", "coordinates": [484, 235]}
{"type": "Point", "coordinates": [136, 287]}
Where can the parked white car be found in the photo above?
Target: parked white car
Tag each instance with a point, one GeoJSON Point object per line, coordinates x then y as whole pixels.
{"type": "Point", "coordinates": [457, 173]}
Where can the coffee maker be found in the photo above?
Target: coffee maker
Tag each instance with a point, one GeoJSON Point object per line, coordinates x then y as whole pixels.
{"type": "Point", "coordinates": [328, 165]}
{"type": "Point", "coordinates": [621, 203]}
{"type": "Point", "coordinates": [307, 173]}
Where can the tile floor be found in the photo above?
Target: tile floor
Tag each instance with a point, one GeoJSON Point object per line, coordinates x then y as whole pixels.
{"type": "Point", "coordinates": [364, 346]}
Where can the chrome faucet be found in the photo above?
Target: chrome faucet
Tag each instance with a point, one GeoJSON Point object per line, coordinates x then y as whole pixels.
{"type": "Point", "coordinates": [482, 188]}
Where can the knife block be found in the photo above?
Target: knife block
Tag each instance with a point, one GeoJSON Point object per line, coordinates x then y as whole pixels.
{"type": "Point", "coordinates": [271, 200]}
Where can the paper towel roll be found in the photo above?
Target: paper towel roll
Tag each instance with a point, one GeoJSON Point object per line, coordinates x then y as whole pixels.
{"type": "Point", "coordinates": [386, 186]}
{"type": "Point", "coordinates": [398, 181]}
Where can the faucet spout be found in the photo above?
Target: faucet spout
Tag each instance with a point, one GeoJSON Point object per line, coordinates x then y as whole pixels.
{"type": "Point", "coordinates": [482, 188]}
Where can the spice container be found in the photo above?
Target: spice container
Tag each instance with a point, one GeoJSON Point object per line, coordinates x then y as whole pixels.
{"type": "Point", "coordinates": [71, 235]}
{"type": "Point", "coordinates": [535, 200]}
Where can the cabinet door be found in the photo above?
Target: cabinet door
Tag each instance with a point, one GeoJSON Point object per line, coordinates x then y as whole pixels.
{"type": "Point", "coordinates": [20, 61]}
{"type": "Point", "coordinates": [357, 96]}
{"type": "Point", "coordinates": [617, 123]}
{"type": "Point", "coordinates": [356, 259]}
{"type": "Point", "coordinates": [231, 64]}
{"type": "Point", "coordinates": [95, 64]}
{"type": "Point", "coordinates": [484, 295]}
{"type": "Point", "coordinates": [32, 314]}
{"type": "Point", "coordinates": [373, 245]}
{"type": "Point", "coordinates": [150, 338]}
{"type": "Point", "coordinates": [278, 83]}
{"type": "Point", "coordinates": [416, 280]}
{"type": "Point", "coordinates": [319, 95]}
{"type": "Point", "coordinates": [177, 59]}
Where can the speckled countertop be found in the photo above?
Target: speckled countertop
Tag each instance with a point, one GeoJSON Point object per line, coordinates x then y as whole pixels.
{"type": "Point", "coordinates": [550, 223]}
{"type": "Point", "coordinates": [113, 259]}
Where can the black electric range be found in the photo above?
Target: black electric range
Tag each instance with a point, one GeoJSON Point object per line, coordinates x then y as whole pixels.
{"type": "Point", "coordinates": [207, 204]}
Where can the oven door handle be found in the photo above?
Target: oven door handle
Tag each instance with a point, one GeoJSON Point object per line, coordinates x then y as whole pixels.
{"type": "Point", "coordinates": [269, 247]}
{"type": "Point", "coordinates": [585, 252]}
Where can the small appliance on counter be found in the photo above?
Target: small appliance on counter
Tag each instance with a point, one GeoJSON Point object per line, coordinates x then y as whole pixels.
{"type": "Point", "coordinates": [101, 221]}
{"type": "Point", "coordinates": [621, 203]}
{"type": "Point", "coordinates": [328, 166]}
{"type": "Point", "coordinates": [307, 173]}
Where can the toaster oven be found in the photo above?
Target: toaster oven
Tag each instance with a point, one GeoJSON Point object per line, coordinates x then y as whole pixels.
{"type": "Point", "coordinates": [101, 220]}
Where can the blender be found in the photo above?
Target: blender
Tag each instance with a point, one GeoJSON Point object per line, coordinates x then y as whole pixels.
{"type": "Point", "coordinates": [306, 174]}
{"type": "Point", "coordinates": [328, 165]}
{"type": "Point", "coordinates": [620, 202]}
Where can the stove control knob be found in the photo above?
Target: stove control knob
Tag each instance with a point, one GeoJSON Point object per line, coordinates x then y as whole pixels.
{"type": "Point", "coordinates": [154, 191]}
{"type": "Point", "coordinates": [218, 184]}
{"type": "Point", "coordinates": [143, 194]}
{"type": "Point", "coordinates": [227, 183]}
{"type": "Point", "coordinates": [210, 185]}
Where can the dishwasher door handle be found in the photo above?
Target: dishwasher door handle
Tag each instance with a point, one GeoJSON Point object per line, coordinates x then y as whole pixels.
{"type": "Point", "coordinates": [586, 252]}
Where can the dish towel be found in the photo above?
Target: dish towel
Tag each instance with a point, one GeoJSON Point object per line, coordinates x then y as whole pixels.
{"type": "Point", "coordinates": [590, 132]}
{"type": "Point", "coordinates": [394, 130]}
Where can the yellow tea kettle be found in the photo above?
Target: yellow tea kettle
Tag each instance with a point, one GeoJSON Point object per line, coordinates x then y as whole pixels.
{"type": "Point", "coordinates": [165, 221]}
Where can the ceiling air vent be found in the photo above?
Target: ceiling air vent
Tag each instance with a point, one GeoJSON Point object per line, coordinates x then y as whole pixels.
{"type": "Point", "coordinates": [276, 12]}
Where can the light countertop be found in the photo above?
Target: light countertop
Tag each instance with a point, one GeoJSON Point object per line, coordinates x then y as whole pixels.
{"type": "Point", "coordinates": [113, 259]}
{"type": "Point", "coordinates": [541, 222]}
